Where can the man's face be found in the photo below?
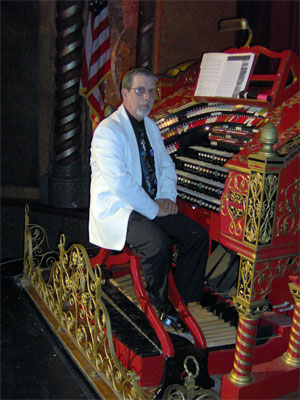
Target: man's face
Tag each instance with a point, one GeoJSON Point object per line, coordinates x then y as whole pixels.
{"type": "Point", "coordinates": [139, 105]}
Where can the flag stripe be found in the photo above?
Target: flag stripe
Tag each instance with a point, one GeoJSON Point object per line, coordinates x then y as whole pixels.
{"type": "Point", "coordinates": [96, 57]}
{"type": "Point", "coordinates": [99, 57]}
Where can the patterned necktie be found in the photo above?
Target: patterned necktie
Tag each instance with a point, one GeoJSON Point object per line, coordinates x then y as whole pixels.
{"type": "Point", "coordinates": [147, 163]}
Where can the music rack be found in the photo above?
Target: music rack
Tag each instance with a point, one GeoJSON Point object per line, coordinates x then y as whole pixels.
{"type": "Point", "coordinates": [285, 81]}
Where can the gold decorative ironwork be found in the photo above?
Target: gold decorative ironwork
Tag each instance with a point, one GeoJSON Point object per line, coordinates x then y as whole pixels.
{"type": "Point", "coordinates": [268, 209]}
{"type": "Point", "coordinates": [249, 311]}
{"type": "Point", "coordinates": [72, 291]}
{"type": "Point", "coordinates": [37, 251]}
{"type": "Point", "coordinates": [234, 201]}
{"type": "Point", "coordinates": [189, 390]}
{"type": "Point", "coordinates": [264, 277]}
{"type": "Point", "coordinates": [254, 207]}
{"type": "Point", "coordinates": [288, 221]}
{"type": "Point", "coordinates": [245, 283]}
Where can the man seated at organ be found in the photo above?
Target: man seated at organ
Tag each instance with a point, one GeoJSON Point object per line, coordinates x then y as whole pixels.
{"type": "Point", "coordinates": [133, 197]}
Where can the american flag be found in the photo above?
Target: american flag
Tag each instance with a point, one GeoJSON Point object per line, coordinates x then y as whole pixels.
{"type": "Point", "coordinates": [96, 57]}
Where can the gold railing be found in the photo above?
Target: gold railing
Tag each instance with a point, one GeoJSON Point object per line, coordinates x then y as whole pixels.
{"type": "Point", "coordinates": [71, 290]}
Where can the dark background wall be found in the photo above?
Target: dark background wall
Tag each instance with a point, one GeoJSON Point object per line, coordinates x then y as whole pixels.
{"type": "Point", "coordinates": [20, 93]}
{"type": "Point", "coordinates": [185, 30]}
{"type": "Point", "coordinates": [190, 28]}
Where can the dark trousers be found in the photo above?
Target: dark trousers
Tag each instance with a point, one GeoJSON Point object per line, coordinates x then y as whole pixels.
{"type": "Point", "coordinates": [153, 240]}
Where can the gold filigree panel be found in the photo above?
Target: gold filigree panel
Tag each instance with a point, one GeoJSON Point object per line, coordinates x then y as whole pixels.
{"type": "Point", "coordinates": [261, 208]}
{"type": "Point", "coordinates": [234, 202]}
{"type": "Point", "coordinates": [268, 209]}
{"type": "Point", "coordinates": [288, 221]}
{"type": "Point", "coordinates": [245, 281]}
{"type": "Point", "coordinates": [254, 207]}
{"type": "Point", "coordinates": [265, 274]}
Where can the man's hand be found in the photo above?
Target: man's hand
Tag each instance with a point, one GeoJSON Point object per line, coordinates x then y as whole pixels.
{"type": "Point", "coordinates": [166, 207]}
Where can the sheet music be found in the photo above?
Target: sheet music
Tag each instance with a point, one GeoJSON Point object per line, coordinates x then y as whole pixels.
{"type": "Point", "coordinates": [224, 75]}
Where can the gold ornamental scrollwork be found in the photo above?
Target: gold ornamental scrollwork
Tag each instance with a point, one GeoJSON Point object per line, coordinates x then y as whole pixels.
{"type": "Point", "coordinates": [276, 269]}
{"type": "Point", "coordinates": [72, 291]}
{"type": "Point", "coordinates": [37, 251]}
{"type": "Point", "coordinates": [234, 201]}
{"type": "Point", "coordinates": [268, 209]}
{"type": "Point", "coordinates": [249, 311]}
{"type": "Point", "coordinates": [254, 207]}
{"type": "Point", "coordinates": [245, 283]}
{"type": "Point", "coordinates": [288, 221]}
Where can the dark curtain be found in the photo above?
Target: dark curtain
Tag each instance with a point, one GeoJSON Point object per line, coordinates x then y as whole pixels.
{"type": "Point", "coordinates": [275, 24]}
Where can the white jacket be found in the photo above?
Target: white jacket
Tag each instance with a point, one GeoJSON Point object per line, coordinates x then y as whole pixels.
{"type": "Point", "coordinates": [117, 177]}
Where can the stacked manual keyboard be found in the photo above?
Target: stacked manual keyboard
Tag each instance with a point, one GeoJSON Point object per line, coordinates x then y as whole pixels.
{"type": "Point", "coordinates": [201, 138]}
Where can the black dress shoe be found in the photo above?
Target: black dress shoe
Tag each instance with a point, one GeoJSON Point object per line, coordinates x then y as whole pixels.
{"type": "Point", "coordinates": [167, 313]}
{"type": "Point", "coordinates": [169, 320]}
{"type": "Point", "coordinates": [170, 317]}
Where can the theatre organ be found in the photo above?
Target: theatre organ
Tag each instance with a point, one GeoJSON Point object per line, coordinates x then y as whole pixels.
{"type": "Point", "coordinates": [237, 162]}
{"type": "Point", "coordinates": [238, 167]}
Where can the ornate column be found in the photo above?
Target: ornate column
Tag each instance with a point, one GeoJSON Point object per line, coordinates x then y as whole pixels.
{"type": "Point", "coordinates": [265, 167]}
{"type": "Point", "coordinates": [144, 48]}
{"type": "Point", "coordinates": [261, 202]}
{"type": "Point", "coordinates": [245, 341]}
{"type": "Point", "coordinates": [68, 188]}
{"type": "Point", "coordinates": [292, 356]}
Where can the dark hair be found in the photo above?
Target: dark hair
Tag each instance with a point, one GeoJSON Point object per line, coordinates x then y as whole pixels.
{"type": "Point", "coordinates": [129, 76]}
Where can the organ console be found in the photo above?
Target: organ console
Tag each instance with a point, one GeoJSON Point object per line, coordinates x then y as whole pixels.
{"type": "Point", "coordinates": [239, 176]}
{"type": "Point", "coordinates": [237, 162]}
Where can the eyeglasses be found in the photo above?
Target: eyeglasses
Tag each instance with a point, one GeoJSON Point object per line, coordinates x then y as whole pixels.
{"type": "Point", "coordinates": [141, 91]}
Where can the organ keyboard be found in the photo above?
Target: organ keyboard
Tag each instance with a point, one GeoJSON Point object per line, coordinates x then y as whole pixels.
{"type": "Point", "coordinates": [217, 332]}
{"type": "Point", "coordinates": [230, 130]}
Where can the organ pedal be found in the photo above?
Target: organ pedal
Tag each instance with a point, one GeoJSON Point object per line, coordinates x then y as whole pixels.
{"type": "Point", "coordinates": [217, 332]}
